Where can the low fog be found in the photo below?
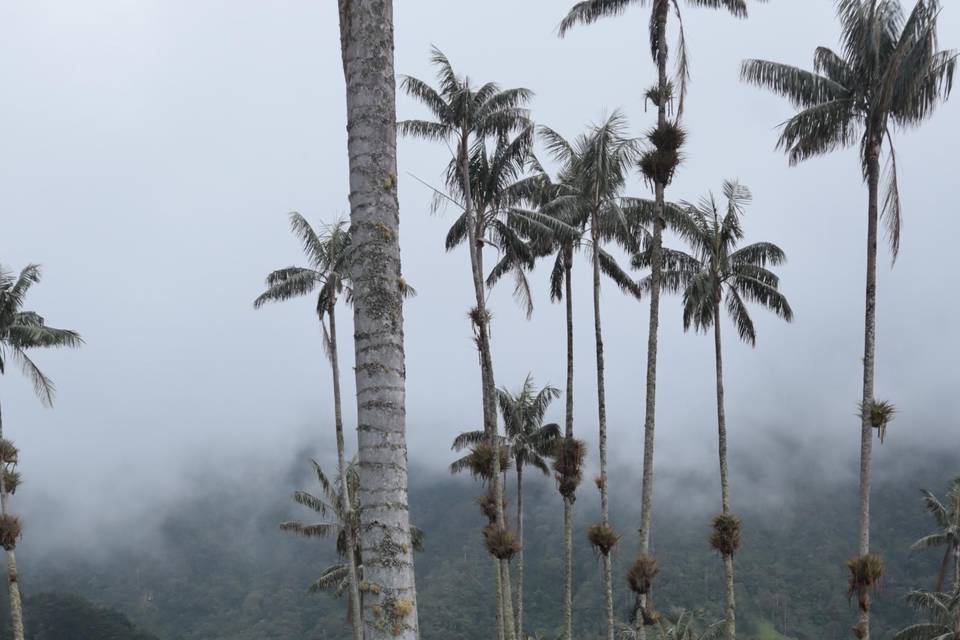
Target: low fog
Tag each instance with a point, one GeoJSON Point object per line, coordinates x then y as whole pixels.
{"type": "Point", "coordinates": [153, 149]}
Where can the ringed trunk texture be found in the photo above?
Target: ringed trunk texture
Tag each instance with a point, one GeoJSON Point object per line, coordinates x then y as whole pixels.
{"type": "Point", "coordinates": [390, 605]}
{"type": "Point", "coordinates": [730, 625]}
{"type": "Point", "coordinates": [520, 553]}
{"type": "Point", "coordinates": [498, 592]}
{"type": "Point", "coordinates": [646, 499]}
{"type": "Point", "coordinates": [16, 605]}
{"type": "Point", "coordinates": [568, 434]}
{"type": "Point", "coordinates": [869, 362]}
{"type": "Point", "coordinates": [488, 386]}
{"type": "Point", "coordinates": [355, 606]}
{"type": "Point", "coordinates": [602, 418]}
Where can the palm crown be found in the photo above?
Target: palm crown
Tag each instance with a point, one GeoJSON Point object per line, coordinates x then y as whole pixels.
{"type": "Point", "coordinates": [717, 270]}
{"type": "Point", "coordinates": [947, 517]}
{"type": "Point", "coordinates": [21, 331]}
{"type": "Point", "coordinates": [888, 71]}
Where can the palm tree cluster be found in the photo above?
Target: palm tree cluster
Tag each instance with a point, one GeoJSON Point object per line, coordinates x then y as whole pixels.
{"type": "Point", "coordinates": [526, 194]}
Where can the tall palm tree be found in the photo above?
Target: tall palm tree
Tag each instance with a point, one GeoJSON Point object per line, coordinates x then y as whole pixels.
{"type": "Point", "coordinates": [681, 624]}
{"type": "Point", "coordinates": [595, 168]}
{"type": "Point", "coordinates": [665, 154]}
{"type": "Point", "coordinates": [947, 517]}
{"type": "Point", "coordinates": [466, 117]}
{"type": "Point", "coordinates": [20, 332]}
{"type": "Point", "coordinates": [332, 506]}
{"type": "Point", "coordinates": [943, 616]}
{"type": "Point", "coordinates": [328, 274]}
{"type": "Point", "coordinates": [366, 42]}
{"type": "Point", "coordinates": [888, 73]}
{"type": "Point", "coordinates": [718, 271]}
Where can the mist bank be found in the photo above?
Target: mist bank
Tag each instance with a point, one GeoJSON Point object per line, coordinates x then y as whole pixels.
{"type": "Point", "coordinates": [212, 564]}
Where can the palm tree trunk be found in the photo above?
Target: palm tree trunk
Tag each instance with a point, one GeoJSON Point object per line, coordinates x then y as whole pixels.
{"type": "Point", "coordinates": [16, 606]}
{"type": "Point", "coordinates": [869, 360]}
{"type": "Point", "coordinates": [488, 387]}
{"type": "Point", "coordinates": [498, 591]}
{"type": "Point", "coordinates": [366, 36]}
{"type": "Point", "coordinates": [956, 569]}
{"type": "Point", "coordinates": [568, 434]}
{"type": "Point", "coordinates": [602, 411]}
{"type": "Point", "coordinates": [730, 626]}
{"type": "Point", "coordinates": [520, 553]}
{"type": "Point", "coordinates": [344, 491]}
{"type": "Point", "coordinates": [646, 499]}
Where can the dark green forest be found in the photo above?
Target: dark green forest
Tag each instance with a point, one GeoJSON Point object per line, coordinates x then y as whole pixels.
{"type": "Point", "coordinates": [218, 570]}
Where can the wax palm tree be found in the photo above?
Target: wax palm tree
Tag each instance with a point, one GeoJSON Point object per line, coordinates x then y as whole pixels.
{"type": "Point", "coordinates": [717, 272]}
{"type": "Point", "coordinates": [329, 255]}
{"type": "Point", "coordinates": [20, 332]}
{"type": "Point", "coordinates": [336, 504]}
{"type": "Point", "coordinates": [659, 165]}
{"type": "Point", "coordinates": [889, 73]}
{"type": "Point", "coordinates": [947, 517]}
{"type": "Point", "coordinates": [943, 616]}
{"type": "Point", "coordinates": [466, 117]}
{"type": "Point", "coordinates": [367, 44]}
{"type": "Point", "coordinates": [593, 176]}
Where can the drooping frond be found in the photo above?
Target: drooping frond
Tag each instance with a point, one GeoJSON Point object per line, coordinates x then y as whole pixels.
{"type": "Point", "coordinates": [589, 11]}
{"type": "Point", "coordinates": [288, 283]}
{"type": "Point", "coordinates": [803, 88]}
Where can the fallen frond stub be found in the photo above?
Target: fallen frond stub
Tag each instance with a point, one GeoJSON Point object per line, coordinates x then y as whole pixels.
{"type": "Point", "coordinates": [9, 454]}
{"type": "Point", "coordinates": [11, 480]}
{"type": "Point", "coordinates": [602, 537]}
{"type": "Point", "coordinates": [500, 542]}
{"type": "Point", "coordinates": [866, 572]}
{"type": "Point", "coordinates": [725, 537]}
{"type": "Point", "coordinates": [568, 455]}
{"type": "Point", "coordinates": [10, 532]}
{"type": "Point", "coordinates": [641, 574]}
{"type": "Point", "coordinates": [879, 414]}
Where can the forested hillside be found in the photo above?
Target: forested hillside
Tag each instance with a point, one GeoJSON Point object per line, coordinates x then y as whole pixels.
{"type": "Point", "coordinates": [219, 568]}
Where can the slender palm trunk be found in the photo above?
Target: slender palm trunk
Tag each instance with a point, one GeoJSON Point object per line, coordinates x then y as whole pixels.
{"type": "Point", "coordinates": [646, 499]}
{"type": "Point", "coordinates": [488, 387]}
{"type": "Point", "coordinates": [498, 592]}
{"type": "Point", "coordinates": [956, 569]}
{"type": "Point", "coordinates": [568, 434]}
{"type": "Point", "coordinates": [366, 35]}
{"type": "Point", "coordinates": [869, 361]}
{"type": "Point", "coordinates": [348, 516]}
{"type": "Point", "coordinates": [520, 553]}
{"type": "Point", "coordinates": [16, 606]}
{"type": "Point", "coordinates": [602, 411]}
{"type": "Point", "coordinates": [730, 626]}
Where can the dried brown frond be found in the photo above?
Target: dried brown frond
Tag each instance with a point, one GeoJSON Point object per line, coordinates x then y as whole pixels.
{"type": "Point", "coordinates": [879, 413]}
{"type": "Point", "coordinates": [10, 532]}
{"type": "Point", "coordinates": [568, 455]}
{"type": "Point", "coordinates": [725, 537]}
{"type": "Point", "coordinates": [641, 574]}
{"type": "Point", "coordinates": [500, 542]}
{"type": "Point", "coordinates": [488, 506]}
{"type": "Point", "coordinates": [866, 573]}
{"type": "Point", "coordinates": [9, 454]}
{"type": "Point", "coordinates": [11, 480]}
{"type": "Point", "coordinates": [602, 537]}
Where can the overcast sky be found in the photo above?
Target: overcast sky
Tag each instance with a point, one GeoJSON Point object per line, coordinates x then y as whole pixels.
{"type": "Point", "coordinates": [151, 150]}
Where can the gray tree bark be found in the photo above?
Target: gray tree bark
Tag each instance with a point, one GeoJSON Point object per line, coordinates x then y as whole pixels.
{"type": "Point", "coordinates": [656, 267]}
{"type": "Point", "coordinates": [568, 434]}
{"type": "Point", "coordinates": [366, 36]}
{"type": "Point", "coordinates": [602, 417]}
{"type": "Point", "coordinates": [520, 553]}
{"type": "Point", "coordinates": [355, 606]}
{"type": "Point", "coordinates": [869, 359]}
{"type": "Point", "coordinates": [16, 604]}
{"type": "Point", "coordinates": [730, 624]}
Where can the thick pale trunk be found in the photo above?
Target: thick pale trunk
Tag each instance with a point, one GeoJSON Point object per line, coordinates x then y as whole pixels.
{"type": "Point", "coordinates": [568, 434]}
{"type": "Point", "coordinates": [520, 553]}
{"type": "Point", "coordinates": [16, 606]}
{"type": "Point", "coordinates": [602, 418]}
{"type": "Point", "coordinates": [390, 605]}
{"type": "Point", "coordinates": [646, 499]}
{"type": "Point", "coordinates": [498, 589]}
{"type": "Point", "coordinates": [355, 605]}
{"type": "Point", "coordinates": [730, 625]}
{"type": "Point", "coordinates": [869, 351]}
